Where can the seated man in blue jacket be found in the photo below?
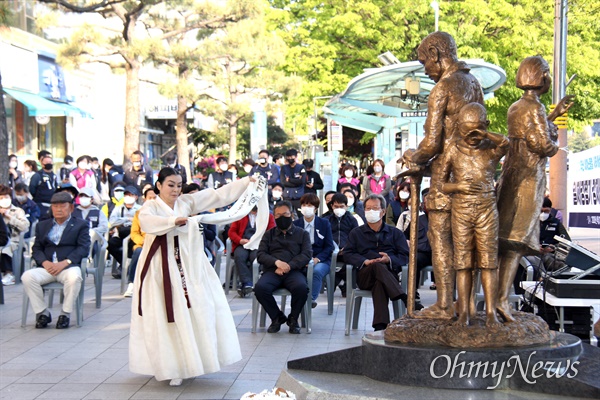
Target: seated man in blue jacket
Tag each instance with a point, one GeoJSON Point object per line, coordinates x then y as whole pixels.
{"type": "Point", "coordinates": [60, 244]}
{"type": "Point", "coordinates": [321, 238]}
{"type": "Point", "coordinates": [378, 251]}
{"type": "Point", "coordinates": [284, 253]}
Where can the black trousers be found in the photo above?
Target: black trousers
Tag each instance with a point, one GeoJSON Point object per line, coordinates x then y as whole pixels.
{"type": "Point", "coordinates": [384, 286]}
{"type": "Point", "coordinates": [243, 260]}
{"type": "Point", "coordinates": [294, 281]}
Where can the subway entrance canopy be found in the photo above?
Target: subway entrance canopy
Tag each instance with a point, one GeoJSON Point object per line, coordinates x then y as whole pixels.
{"type": "Point", "coordinates": [393, 98]}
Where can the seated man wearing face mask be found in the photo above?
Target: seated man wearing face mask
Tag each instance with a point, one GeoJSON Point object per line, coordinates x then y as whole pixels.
{"type": "Point", "coordinates": [275, 196]}
{"type": "Point", "coordinates": [319, 230]}
{"type": "Point", "coordinates": [120, 227]}
{"type": "Point", "coordinates": [88, 212]}
{"type": "Point", "coordinates": [378, 251]}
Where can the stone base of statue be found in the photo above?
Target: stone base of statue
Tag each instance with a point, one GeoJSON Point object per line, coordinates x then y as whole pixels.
{"type": "Point", "coordinates": [559, 367]}
{"type": "Point", "coordinates": [527, 330]}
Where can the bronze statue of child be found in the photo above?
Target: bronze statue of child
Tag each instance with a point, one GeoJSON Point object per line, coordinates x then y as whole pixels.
{"type": "Point", "coordinates": [468, 171]}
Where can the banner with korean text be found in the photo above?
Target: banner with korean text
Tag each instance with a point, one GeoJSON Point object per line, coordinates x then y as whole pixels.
{"type": "Point", "coordinates": [583, 189]}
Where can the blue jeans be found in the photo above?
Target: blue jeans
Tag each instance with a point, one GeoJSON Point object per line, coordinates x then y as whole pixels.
{"type": "Point", "coordinates": [133, 264]}
{"type": "Point", "coordinates": [320, 271]}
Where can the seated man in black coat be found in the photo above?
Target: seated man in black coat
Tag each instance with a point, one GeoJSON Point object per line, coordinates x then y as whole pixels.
{"type": "Point", "coordinates": [378, 251]}
{"type": "Point", "coordinates": [284, 252]}
{"type": "Point", "coordinates": [60, 244]}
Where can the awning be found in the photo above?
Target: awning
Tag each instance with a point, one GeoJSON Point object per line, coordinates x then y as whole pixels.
{"type": "Point", "coordinates": [37, 105]}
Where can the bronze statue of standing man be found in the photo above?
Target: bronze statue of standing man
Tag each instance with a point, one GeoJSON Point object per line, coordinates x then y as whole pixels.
{"type": "Point", "coordinates": [522, 183]}
{"type": "Point", "coordinates": [455, 87]}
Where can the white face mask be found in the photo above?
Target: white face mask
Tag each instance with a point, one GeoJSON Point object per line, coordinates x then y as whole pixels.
{"type": "Point", "coordinates": [350, 201]}
{"type": "Point", "coordinates": [276, 194]}
{"type": "Point", "coordinates": [5, 202]}
{"type": "Point", "coordinates": [348, 173]}
{"type": "Point", "coordinates": [129, 200]}
{"type": "Point", "coordinates": [12, 164]}
{"type": "Point", "coordinates": [95, 166]}
{"type": "Point", "coordinates": [82, 165]}
{"type": "Point", "coordinates": [544, 216]}
{"type": "Point", "coordinates": [377, 169]}
{"type": "Point", "coordinates": [21, 199]}
{"type": "Point", "coordinates": [137, 164]}
{"type": "Point", "coordinates": [119, 195]}
{"type": "Point", "coordinates": [339, 212]}
{"type": "Point", "coordinates": [223, 167]}
{"type": "Point", "coordinates": [308, 211]}
{"type": "Point", "coordinates": [172, 165]}
{"type": "Point", "coordinates": [85, 201]}
{"type": "Point", "coordinates": [372, 216]}
{"type": "Point", "coordinates": [247, 168]}
{"type": "Point", "coordinates": [403, 195]}
{"type": "Point", "coordinates": [107, 170]}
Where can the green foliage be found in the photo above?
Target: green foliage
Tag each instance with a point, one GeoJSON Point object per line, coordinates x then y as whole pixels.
{"type": "Point", "coordinates": [579, 141]}
{"type": "Point", "coordinates": [332, 42]}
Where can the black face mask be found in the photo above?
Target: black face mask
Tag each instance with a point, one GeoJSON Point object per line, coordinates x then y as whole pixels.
{"type": "Point", "coordinates": [291, 161]}
{"type": "Point", "coordinates": [283, 223]}
{"type": "Point", "coordinates": [48, 166]}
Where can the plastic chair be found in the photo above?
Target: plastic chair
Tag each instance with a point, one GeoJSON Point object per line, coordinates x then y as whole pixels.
{"type": "Point", "coordinates": [56, 286]}
{"type": "Point", "coordinates": [305, 316]}
{"type": "Point", "coordinates": [98, 264]}
{"type": "Point", "coordinates": [330, 279]}
{"type": "Point", "coordinates": [125, 264]}
{"type": "Point", "coordinates": [231, 274]}
{"type": "Point", "coordinates": [354, 298]}
{"type": "Point", "coordinates": [17, 257]}
{"type": "Point", "coordinates": [219, 255]}
{"type": "Point", "coordinates": [423, 276]}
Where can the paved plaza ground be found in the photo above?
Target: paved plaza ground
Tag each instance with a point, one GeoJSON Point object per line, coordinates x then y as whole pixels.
{"type": "Point", "coordinates": [90, 362]}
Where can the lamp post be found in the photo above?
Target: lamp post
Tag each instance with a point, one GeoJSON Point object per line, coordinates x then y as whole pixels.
{"type": "Point", "coordinates": [436, 8]}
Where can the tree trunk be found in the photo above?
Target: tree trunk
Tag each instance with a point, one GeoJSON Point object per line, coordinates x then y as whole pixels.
{"type": "Point", "coordinates": [183, 153]}
{"type": "Point", "coordinates": [3, 139]}
{"type": "Point", "coordinates": [132, 109]}
{"type": "Point", "coordinates": [233, 139]}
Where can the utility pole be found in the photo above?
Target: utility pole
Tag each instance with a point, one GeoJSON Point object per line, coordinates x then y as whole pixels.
{"type": "Point", "coordinates": [558, 163]}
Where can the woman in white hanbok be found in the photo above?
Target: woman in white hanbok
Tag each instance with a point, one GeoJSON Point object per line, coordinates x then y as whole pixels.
{"type": "Point", "coordinates": [181, 324]}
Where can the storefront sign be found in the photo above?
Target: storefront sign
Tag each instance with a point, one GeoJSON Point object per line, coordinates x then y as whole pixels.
{"type": "Point", "coordinates": [583, 189]}
{"type": "Point", "coordinates": [337, 136]}
{"type": "Point", "coordinates": [19, 68]}
{"type": "Point", "coordinates": [166, 110]}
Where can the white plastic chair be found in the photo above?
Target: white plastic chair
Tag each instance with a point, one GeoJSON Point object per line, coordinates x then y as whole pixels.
{"type": "Point", "coordinates": [231, 274]}
{"type": "Point", "coordinates": [305, 316]}
{"type": "Point", "coordinates": [98, 263]}
{"type": "Point", "coordinates": [125, 264]}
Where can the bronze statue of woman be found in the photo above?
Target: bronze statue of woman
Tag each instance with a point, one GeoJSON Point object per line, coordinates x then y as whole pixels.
{"type": "Point", "coordinates": [533, 138]}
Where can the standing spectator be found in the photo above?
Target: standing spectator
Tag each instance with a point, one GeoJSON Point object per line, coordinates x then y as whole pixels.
{"type": "Point", "coordinates": [284, 253]}
{"type": "Point", "coordinates": [221, 176]}
{"type": "Point", "coordinates": [269, 171]}
{"type": "Point", "coordinates": [16, 221]}
{"type": "Point", "coordinates": [378, 182]}
{"type": "Point", "coordinates": [278, 161]}
{"type": "Point", "coordinates": [349, 175]}
{"type": "Point", "coordinates": [44, 184]}
{"type": "Point", "coordinates": [60, 244]}
{"type": "Point", "coordinates": [30, 167]}
{"type": "Point", "coordinates": [378, 251]}
{"type": "Point", "coordinates": [234, 171]}
{"type": "Point", "coordinates": [22, 200]}
{"type": "Point", "coordinates": [248, 164]}
{"type": "Point", "coordinates": [342, 223]}
{"type": "Point", "coordinates": [319, 231]}
{"type": "Point", "coordinates": [14, 175]}
{"type": "Point", "coordinates": [82, 176]}
{"type": "Point", "coordinates": [171, 161]}
{"type": "Point", "coordinates": [139, 173]}
{"type": "Point", "coordinates": [120, 225]}
{"type": "Point", "coordinates": [88, 212]}
{"type": "Point", "coordinates": [293, 177]}
{"type": "Point", "coordinates": [65, 170]}
{"type": "Point", "coordinates": [240, 233]}
{"type": "Point", "coordinates": [97, 172]}
{"type": "Point", "coordinates": [111, 174]}
{"type": "Point", "coordinates": [41, 155]}
{"type": "Point", "coordinates": [313, 179]}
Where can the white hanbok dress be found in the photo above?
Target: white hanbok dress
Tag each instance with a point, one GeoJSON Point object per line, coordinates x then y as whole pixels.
{"type": "Point", "coordinates": [202, 336]}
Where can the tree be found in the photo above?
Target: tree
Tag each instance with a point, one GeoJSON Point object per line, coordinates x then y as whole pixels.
{"type": "Point", "coordinates": [180, 52]}
{"type": "Point", "coordinates": [579, 141]}
{"type": "Point", "coordinates": [125, 46]}
{"type": "Point", "coordinates": [334, 41]}
{"type": "Point", "coordinates": [5, 16]}
{"type": "Point", "coordinates": [240, 62]}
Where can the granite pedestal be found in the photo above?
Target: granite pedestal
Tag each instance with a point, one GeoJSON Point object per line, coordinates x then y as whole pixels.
{"type": "Point", "coordinates": [561, 367]}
